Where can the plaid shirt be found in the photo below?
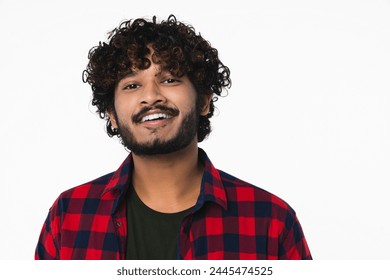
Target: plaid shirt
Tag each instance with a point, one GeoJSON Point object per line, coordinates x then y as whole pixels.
{"type": "Point", "coordinates": [231, 220]}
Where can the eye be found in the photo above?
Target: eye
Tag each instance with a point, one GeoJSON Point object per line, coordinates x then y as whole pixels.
{"type": "Point", "coordinates": [171, 81]}
{"type": "Point", "coordinates": [130, 86]}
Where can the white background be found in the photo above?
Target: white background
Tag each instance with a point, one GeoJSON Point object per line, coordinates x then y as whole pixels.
{"type": "Point", "coordinates": [307, 117]}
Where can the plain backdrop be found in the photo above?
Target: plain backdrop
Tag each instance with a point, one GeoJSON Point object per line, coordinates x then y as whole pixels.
{"type": "Point", "coordinates": [307, 117]}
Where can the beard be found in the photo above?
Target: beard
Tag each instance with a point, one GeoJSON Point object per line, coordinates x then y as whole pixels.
{"type": "Point", "coordinates": [183, 137]}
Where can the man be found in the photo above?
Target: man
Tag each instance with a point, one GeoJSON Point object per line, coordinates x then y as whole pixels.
{"type": "Point", "coordinates": [155, 83]}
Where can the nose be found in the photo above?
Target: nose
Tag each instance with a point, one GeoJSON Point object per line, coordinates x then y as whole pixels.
{"type": "Point", "coordinates": [152, 94]}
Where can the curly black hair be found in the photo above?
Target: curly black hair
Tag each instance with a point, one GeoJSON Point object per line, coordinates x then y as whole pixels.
{"type": "Point", "coordinates": [177, 48]}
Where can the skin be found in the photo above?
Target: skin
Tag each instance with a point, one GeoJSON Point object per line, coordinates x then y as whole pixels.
{"type": "Point", "coordinates": [167, 183]}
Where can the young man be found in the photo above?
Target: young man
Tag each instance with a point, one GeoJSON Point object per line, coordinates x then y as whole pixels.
{"type": "Point", "coordinates": [155, 83]}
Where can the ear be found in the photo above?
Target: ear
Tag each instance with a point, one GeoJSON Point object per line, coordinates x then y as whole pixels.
{"type": "Point", "coordinates": [205, 107]}
{"type": "Point", "coordinates": [112, 119]}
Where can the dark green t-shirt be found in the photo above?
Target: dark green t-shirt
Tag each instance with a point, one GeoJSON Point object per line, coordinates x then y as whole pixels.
{"type": "Point", "coordinates": [151, 235]}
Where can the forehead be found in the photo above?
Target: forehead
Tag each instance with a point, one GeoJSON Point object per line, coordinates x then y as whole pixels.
{"type": "Point", "coordinates": [154, 68]}
{"type": "Point", "coordinates": [155, 65]}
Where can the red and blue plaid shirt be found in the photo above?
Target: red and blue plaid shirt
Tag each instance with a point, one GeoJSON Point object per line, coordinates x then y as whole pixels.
{"type": "Point", "coordinates": [231, 220]}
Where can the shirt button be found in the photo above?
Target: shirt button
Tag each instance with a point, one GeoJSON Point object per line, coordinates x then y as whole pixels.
{"type": "Point", "coordinates": [118, 224]}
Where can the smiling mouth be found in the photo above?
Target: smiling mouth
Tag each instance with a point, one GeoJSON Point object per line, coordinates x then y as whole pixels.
{"type": "Point", "coordinates": [154, 117]}
{"type": "Point", "coordinates": [155, 113]}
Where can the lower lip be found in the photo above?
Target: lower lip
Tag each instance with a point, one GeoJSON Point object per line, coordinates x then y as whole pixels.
{"type": "Point", "coordinates": [156, 123]}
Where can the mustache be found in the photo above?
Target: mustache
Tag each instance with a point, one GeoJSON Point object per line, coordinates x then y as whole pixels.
{"type": "Point", "coordinates": [164, 109]}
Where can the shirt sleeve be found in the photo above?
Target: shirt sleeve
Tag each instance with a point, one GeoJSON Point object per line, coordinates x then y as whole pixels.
{"type": "Point", "coordinates": [47, 247]}
{"type": "Point", "coordinates": [294, 245]}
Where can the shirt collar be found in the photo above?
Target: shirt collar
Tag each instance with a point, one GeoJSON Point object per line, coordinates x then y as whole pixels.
{"type": "Point", "coordinates": [119, 181]}
{"type": "Point", "coordinates": [212, 188]}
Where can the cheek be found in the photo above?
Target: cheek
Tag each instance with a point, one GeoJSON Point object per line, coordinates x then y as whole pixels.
{"type": "Point", "coordinates": [124, 107]}
{"type": "Point", "coordinates": [187, 108]}
{"type": "Point", "coordinates": [188, 100]}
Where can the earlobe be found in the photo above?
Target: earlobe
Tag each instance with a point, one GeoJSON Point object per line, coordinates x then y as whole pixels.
{"type": "Point", "coordinates": [205, 109]}
{"type": "Point", "coordinates": [112, 120]}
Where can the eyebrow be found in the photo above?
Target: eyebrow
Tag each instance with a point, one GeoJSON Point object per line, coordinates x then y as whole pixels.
{"type": "Point", "coordinates": [128, 75]}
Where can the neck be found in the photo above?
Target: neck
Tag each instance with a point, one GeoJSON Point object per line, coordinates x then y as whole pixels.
{"type": "Point", "coordinates": [168, 183]}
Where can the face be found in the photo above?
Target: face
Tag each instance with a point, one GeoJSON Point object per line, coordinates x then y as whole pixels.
{"type": "Point", "coordinates": [155, 112]}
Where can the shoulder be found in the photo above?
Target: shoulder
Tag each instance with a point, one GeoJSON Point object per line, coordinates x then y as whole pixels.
{"type": "Point", "coordinates": [241, 192]}
{"type": "Point", "coordinates": [87, 191]}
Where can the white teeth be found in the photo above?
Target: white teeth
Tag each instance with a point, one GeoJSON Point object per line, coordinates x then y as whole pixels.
{"type": "Point", "coordinates": [155, 116]}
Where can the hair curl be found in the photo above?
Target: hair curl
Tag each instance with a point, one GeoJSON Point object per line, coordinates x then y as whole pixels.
{"type": "Point", "coordinates": [177, 48]}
